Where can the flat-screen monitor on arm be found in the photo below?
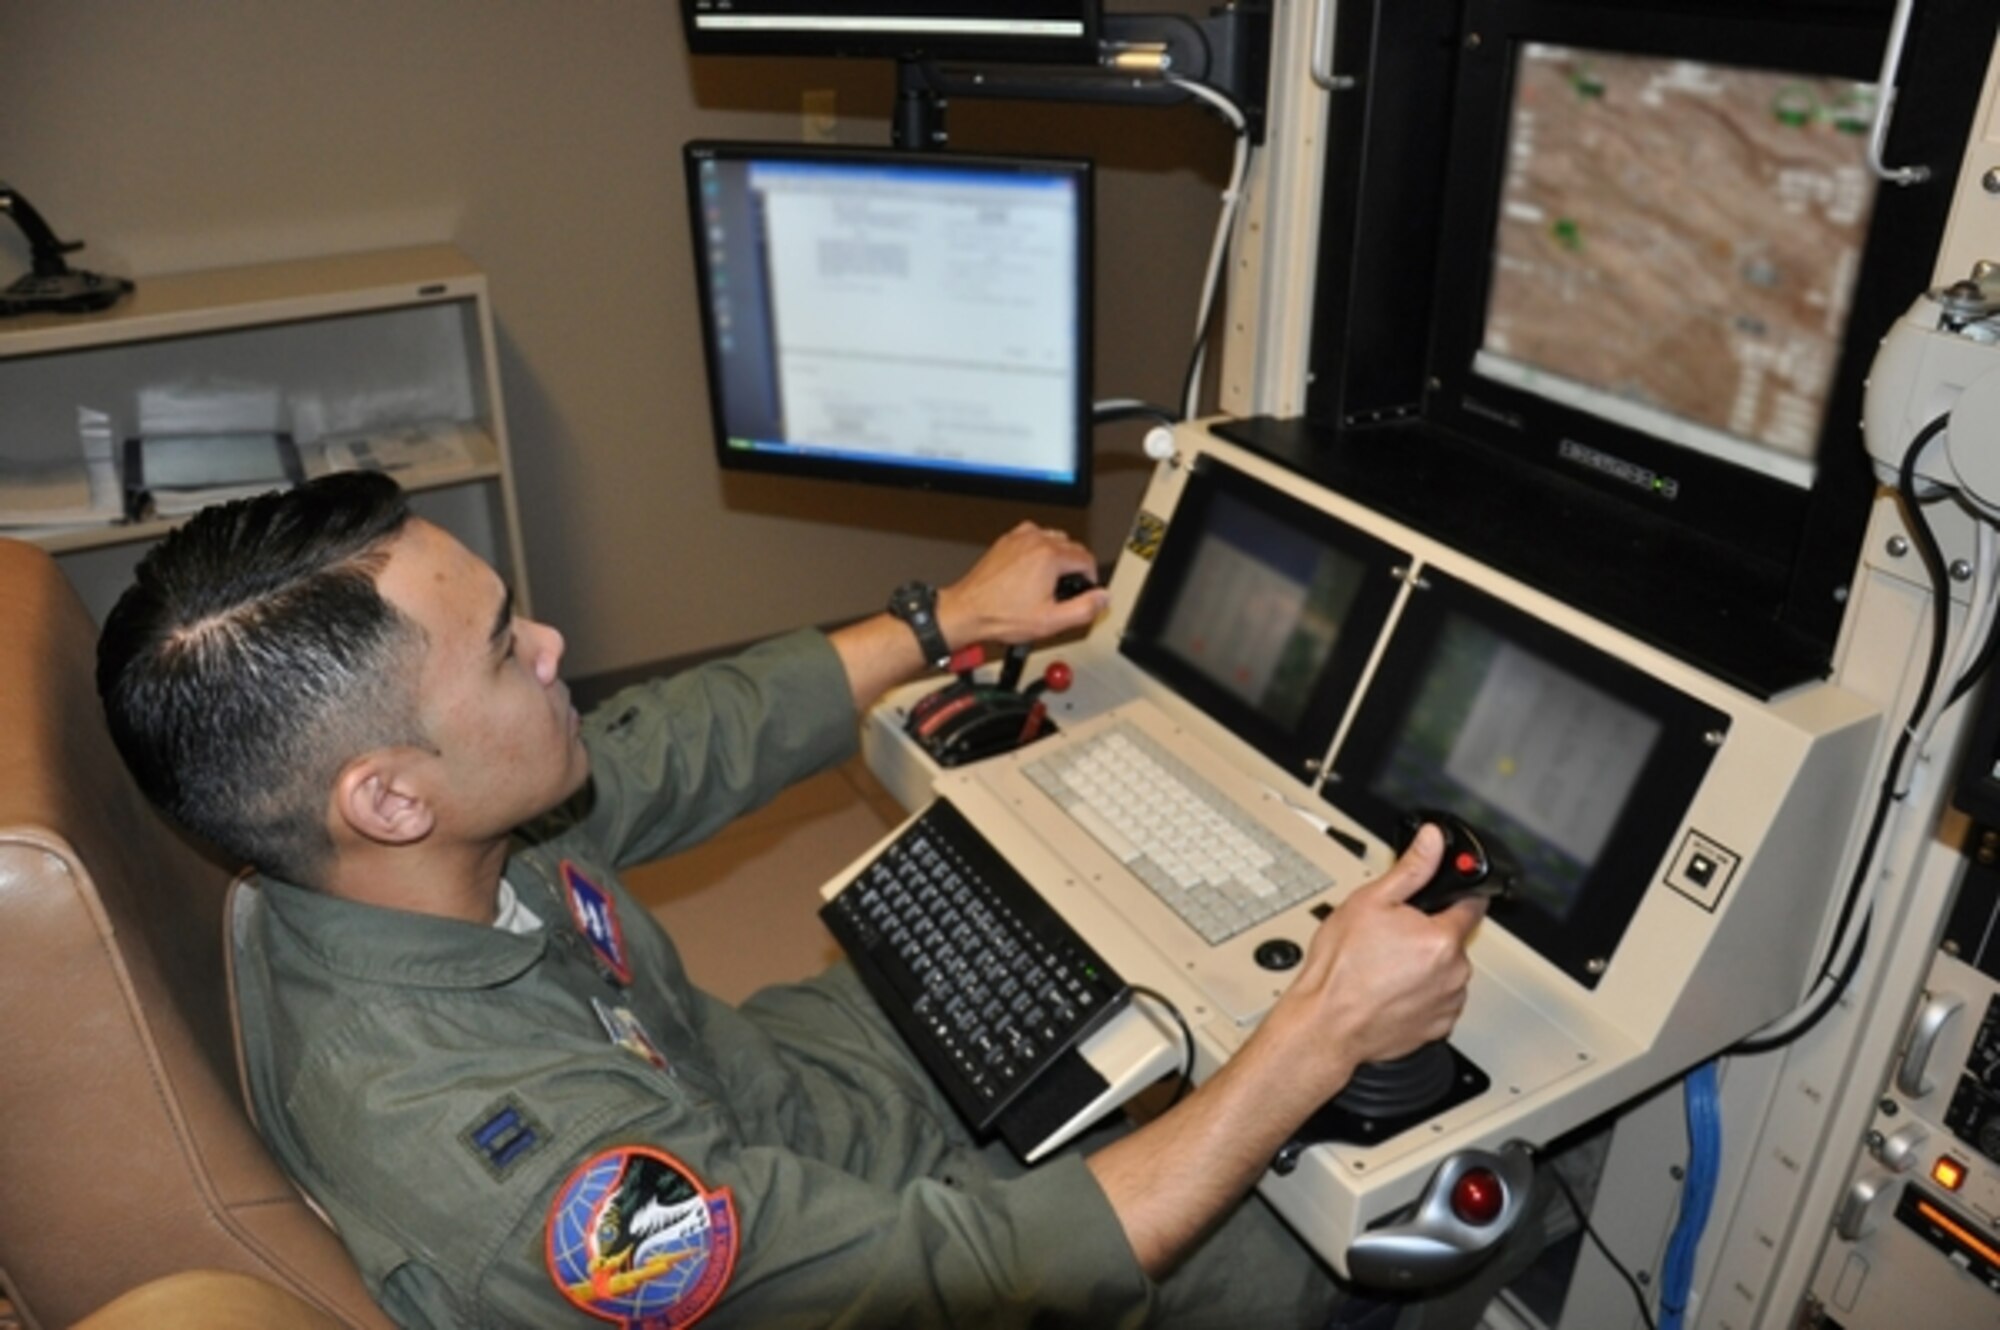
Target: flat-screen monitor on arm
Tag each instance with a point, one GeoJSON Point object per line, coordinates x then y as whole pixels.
{"type": "Point", "coordinates": [903, 318]}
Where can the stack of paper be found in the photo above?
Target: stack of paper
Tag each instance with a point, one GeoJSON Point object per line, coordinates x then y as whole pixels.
{"type": "Point", "coordinates": [436, 445]}
{"type": "Point", "coordinates": [38, 497]}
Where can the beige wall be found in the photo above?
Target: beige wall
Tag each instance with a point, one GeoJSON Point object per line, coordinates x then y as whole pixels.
{"type": "Point", "coordinates": [543, 137]}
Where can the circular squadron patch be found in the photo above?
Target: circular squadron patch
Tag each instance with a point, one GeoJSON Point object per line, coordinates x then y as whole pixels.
{"type": "Point", "coordinates": [634, 1238]}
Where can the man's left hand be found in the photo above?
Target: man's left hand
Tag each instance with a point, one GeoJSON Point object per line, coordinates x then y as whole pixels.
{"type": "Point", "coordinates": [1009, 596]}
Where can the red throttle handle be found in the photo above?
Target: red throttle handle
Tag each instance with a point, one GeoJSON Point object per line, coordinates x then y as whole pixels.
{"type": "Point", "coordinates": [1056, 679]}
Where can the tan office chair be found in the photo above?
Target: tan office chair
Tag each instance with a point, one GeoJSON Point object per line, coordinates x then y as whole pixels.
{"type": "Point", "coordinates": [125, 1154]}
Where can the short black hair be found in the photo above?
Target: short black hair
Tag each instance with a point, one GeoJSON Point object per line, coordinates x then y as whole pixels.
{"type": "Point", "coordinates": [253, 657]}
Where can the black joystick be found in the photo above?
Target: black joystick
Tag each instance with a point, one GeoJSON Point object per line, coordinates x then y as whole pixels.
{"type": "Point", "coordinates": [1474, 863]}
{"type": "Point", "coordinates": [1068, 587]}
{"type": "Point", "coordinates": [1385, 1098]}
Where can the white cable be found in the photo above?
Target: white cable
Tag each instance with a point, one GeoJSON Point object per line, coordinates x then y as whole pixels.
{"type": "Point", "coordinates": [1232, 197]}
{"type": "Point", "coordinates": [1132, 404]}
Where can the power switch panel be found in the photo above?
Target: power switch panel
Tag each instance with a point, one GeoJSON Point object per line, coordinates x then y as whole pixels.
{"type": "Point", "coordinates": [1701, 870]}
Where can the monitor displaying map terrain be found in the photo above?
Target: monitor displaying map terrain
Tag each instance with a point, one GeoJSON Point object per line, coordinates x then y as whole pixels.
{"type": "Point", "coordinates": [1677, 246]}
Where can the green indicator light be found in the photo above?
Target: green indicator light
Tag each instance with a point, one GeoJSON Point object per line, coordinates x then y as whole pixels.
{"type": "Point", "coordinates": [1796, 106]}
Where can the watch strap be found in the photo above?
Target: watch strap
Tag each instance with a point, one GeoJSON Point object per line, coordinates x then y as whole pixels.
{"type": "Point", "coordinates": [915, 603]}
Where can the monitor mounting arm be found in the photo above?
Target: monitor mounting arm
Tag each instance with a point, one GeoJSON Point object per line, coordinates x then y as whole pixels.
{"type": "Point", "coordinates": [1941, 360]}
{"type": "Point", "coordinates": [1139, 58]}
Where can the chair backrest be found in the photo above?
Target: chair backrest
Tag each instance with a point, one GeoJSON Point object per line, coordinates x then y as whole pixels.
{"type": "Point", "coordinates": [125, 1152]}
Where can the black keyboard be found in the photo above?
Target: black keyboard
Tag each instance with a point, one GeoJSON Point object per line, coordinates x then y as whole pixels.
{"type": "Point", "coordinates": [986, 982]}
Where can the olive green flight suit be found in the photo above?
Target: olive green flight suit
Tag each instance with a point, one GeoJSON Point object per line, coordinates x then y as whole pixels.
{"type": "Point", "coordinates": [436, 1086]}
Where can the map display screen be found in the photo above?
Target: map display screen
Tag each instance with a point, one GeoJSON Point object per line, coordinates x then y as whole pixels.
{"type": "Point", "coordinates": [1677, 248]}
{"type": "Point", "coordinates": [1262, 609]}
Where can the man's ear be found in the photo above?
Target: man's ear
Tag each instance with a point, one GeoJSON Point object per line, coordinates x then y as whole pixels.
{"type": "Point", "coordinates": [379, 798]}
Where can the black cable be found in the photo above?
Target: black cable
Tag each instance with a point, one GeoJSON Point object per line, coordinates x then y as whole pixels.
{"type": "Point", "coordinates": [1576, 1208]}
{"type": "Point", "coordinates": [1187, 1041]}
{"type": "Point", "coordinates": [1886, 798]}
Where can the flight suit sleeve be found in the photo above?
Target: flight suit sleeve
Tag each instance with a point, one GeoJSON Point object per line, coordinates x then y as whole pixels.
{"type": "Point", "coordinates": [676, 759]}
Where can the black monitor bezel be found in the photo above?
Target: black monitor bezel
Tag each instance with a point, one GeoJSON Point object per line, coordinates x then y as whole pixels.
{"type": "Point", "coordinates": [886, 41]}
{"type": "Point", "coordinates": [1073, 492]}
{"type": "Point", "coordinates": [1637, 848]}
{"type": "Point", "coordinates": [1385, 273]}
{"type": "Point", "coordinates": [1300, 748]}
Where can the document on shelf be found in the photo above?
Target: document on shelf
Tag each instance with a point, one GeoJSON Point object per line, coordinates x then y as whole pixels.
{"type": "Point", "coordinates": [45, 496]}
{"type": "Point", "coordinates": [432, 445]}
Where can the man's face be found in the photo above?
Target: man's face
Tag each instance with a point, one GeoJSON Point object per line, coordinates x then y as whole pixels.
{"type": "Point", "coordinates": [489, 698]}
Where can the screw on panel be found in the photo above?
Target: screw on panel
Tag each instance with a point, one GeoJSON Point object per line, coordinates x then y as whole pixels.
{"type": "Point", "coordinates": [1898, 546]}
{"type": "Point", "coordinates": [1961, 570]}
{"type": "Point", "coordinates": [1990, 182]}
{"type": "Point", "coordinates": [1597, 965]}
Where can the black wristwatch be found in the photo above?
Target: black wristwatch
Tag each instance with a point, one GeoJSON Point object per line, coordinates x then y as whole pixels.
{"type": "Point", "coordinates": [915, 603]}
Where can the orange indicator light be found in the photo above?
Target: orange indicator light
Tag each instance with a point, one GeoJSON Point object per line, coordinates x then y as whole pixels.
{"type": "Point", "coordinates": [1948, 1173]}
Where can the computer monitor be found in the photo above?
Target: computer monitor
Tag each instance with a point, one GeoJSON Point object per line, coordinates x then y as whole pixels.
{"type": "Point", "coordinates": [1262, 611]}
{"type": "Point", "coordinates": [1676, 250]}
{"type": "Point", "coordinates": [1054, 31]}
{"type": "Point", "coordinates": [902, 318]}
{"type": "Point", "coordinates": [1598, 291]}
{"type": "Point", "coordinates": [1580, 764]}
{"type": "Point", "coordinates": [1657, 223]}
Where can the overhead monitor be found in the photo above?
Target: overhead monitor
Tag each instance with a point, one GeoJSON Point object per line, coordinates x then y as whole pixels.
{"type": "Point", "coordinates": [895, 317]}
{"type": "Point", "coordinates": [1676, 248]}
{"type": "Point", "coordinates": [1262, 611]}
{"type": "Point", "coordinates": [1053, 31]}
{"type": "Point", "coordinates": [1579, 763]}
{"type": "Point", "coordinates": [1657, 225]}
{"type": "Point", "coordinates": [1599, 287]}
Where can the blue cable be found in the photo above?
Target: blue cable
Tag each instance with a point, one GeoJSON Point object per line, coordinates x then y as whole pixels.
{"type": "Point", "coordinates": [1697, 1193]}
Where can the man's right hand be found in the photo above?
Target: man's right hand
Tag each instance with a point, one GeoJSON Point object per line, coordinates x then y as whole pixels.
{"type": "Point", "coordinates": [1379, 980]}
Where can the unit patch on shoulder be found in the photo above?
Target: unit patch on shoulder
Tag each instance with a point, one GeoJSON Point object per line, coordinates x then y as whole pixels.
{"type": "Point", "coordinates": [503, 1135]}
{"type": "Point", "coordinates": [635, 1239]}
{"type": "Point", "coordinates": [596, 916]}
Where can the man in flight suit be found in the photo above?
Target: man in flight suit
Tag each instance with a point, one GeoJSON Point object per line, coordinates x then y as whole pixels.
{"type": "Point", "coordinates": [485, 1061]}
